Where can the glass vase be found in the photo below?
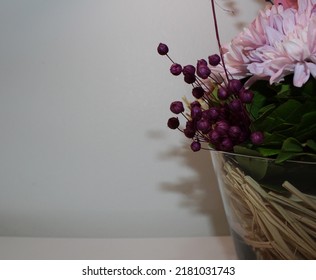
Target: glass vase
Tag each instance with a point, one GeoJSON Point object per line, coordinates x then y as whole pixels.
{"type": "Point", "coordinates": [270, 207]}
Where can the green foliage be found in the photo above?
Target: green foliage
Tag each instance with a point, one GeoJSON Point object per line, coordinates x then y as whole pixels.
{"type": "Point", "coordinates": [272, 173]}
{"type": "Point", "coordinates": [287, 116]}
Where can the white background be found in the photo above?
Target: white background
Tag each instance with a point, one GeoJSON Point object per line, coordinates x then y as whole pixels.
{"type": "Point", "coordinates": [84, 100]}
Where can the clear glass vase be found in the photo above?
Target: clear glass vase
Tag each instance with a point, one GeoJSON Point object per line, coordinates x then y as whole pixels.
{"type": "Point", "coordinates": [270, 207]}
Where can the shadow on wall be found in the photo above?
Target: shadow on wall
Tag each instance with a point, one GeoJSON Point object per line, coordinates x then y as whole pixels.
{"type": "Point", "coordinates": [199, 192]}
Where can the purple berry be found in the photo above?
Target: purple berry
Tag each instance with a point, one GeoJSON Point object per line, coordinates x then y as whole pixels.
{"type": "Point", "coordinates": [222, 127]}
{"type": "Point", "coordinates": [189, 79]}
{"type": "Point", "coordinates": [214, 59]}
{"type": "Point", "coordinates": [188, 70]}
{"type": "Point", "coordinates": [246, 96]}
{"type": "Point", "coordinates": [195, 146]}
{"type": "Point", "coordinates": [190, 124]}
{"type": "Point", "coordinates": [206, 115]}
{"type": "Point", "coordinates": [189, 132]}
{"type": "Point", "coordinates": [257, 137]}
{"type": "Point", "coordinates": [214, 113]}
{"type": "Point", "coordinates": [173, 123]}
{"type": "Point", "coordinates": [201, 62]}
{"type": "Point", "coordinates": [243, 136]}
{"type": "Point", "coordinates": [176, 69]}
{"type": "Point", "coordinates": [226, 145]}
{"type": "Point", "coordinates": [203, 71]}
{"type": "Point", "coordinates": [195, 103]}
{"type": "Point", "coordinates": [224, 112]}
{"type": "Point", "coordinates": [198, 92]}
{"type": "Point", "coordinates": [235, 105]}
{"type": "Point", "coordinates": [234, 131]}
{"type": "Point", "coordinates": [196, 113]}
{"type": "Point", "coordinates": [204, 126]}
{"type": "Point", "coordinates": [162, 49]}
{"type": "Point", "coordinates": [223, 93]}
{"type": "Point", "coordinates": [235, 85]}
{"type": "Point", "coordinates": [176, 107]}
{"type": "Point", "coordinates": [215, 137]}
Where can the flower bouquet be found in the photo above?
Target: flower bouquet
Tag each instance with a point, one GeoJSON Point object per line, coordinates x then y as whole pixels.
{"type": "Point", "coordinates": [254, 108]}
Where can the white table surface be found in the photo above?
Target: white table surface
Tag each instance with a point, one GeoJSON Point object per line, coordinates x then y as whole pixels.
{"type": "Point", "coordinates": [212, 248]}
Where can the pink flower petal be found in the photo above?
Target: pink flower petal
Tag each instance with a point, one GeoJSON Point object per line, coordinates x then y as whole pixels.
{"type": "Point", "coordinates": [301, 74]}
{"type": "Point", "coordinates": [287, 3]}
{"type": "Point", "coordinates": [312, 68]}
{"type": "Point", "coordinates": [279, 42]}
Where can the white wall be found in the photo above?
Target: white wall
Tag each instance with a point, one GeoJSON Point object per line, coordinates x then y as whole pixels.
{"type": "Point", "coordinates": [84, 99]}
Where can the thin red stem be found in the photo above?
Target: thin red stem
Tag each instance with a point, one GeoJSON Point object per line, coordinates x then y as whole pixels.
{"type": "Point", "coordinates": [218, 38]}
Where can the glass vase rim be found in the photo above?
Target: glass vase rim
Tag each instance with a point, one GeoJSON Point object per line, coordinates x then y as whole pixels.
{"type": "Point", "coordinates": [262, 157]}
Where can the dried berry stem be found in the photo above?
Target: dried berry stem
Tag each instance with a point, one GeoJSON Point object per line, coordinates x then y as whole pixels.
{"type": "Point", "coordinates": [218, 38]}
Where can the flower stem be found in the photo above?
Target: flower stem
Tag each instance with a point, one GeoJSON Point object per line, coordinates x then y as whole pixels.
{"type": "Point", "coordinates": [218, 38]}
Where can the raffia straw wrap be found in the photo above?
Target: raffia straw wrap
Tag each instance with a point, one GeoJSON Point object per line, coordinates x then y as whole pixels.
{"type": "Point", "coordinates": [275, 226]}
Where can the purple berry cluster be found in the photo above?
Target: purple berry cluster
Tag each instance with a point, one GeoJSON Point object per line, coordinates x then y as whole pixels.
{"type": "Point", "coordinates": [218, 115]}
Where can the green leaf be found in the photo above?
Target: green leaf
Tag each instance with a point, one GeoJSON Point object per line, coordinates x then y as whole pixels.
{"type": "Point", "coordinates": [306, 133]}
{"type": "Point", "coordinates": [285, 129]}
{"type": "Point", "coordinates": [290, 111]}
{"type": "Point", "coordinates": [242, 150]}
{"type": "Point", "coordinates": [311, 144]}
{"type": "Point", "coordinates": [252, 164]}
{"type": "Point", "coordinates": [256, 105]}
{"type": "Point", "coordinates": [309, 87]}
{"type": "Point", "coordinates": [279, 118]}
{"type": "Point", "coordinates": [290, 148]}
{"type": "Point", "coordinates": [273, 139]}
{"type": "Point", "coordinates": [268, 152]}
{"type": "Point", "coordinates": [308, 119]}
{"type": "Point", "coordinates": [274, 187]}
{"type": "Point", "coordinates": [292, 145]}
{"type": "Point", "coordinates": [307, 127]}
{"type": "Point", "coordinates": [265, 123]}
{"type": "Point", "coordinates": [267, 109]}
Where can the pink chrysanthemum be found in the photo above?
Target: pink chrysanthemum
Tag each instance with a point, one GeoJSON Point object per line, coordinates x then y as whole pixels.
{"type": "Point", "coordinates": [279, 42]}
{"type": "Point", "coordinates": [286, 3]}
